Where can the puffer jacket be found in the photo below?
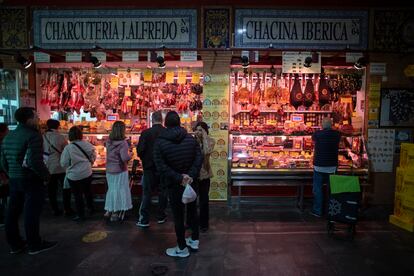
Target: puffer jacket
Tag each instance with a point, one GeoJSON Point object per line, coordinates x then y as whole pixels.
{"type": "Point", "coordinates": [175, 153]}
{"type": "Point", "coordinates": [53, 144]}
{"type": "Point", "coordinates": [117, 156]}
{"type": "Point", "coordinates": [21, 142]}
{"type": "Point", "coordinates": [77, 165]}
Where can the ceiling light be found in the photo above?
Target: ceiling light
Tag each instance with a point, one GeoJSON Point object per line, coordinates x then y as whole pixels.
{"type": "Point", "coordinates": [161, 62]}
{"type": "Point", "coordinates": [245, 62]}
{"type": "Point", "coordinates": [361, 63]}
{"type": "Point", "coordinates": [308, 62]}
{"type": "Point", "coordinates": [25, 62]}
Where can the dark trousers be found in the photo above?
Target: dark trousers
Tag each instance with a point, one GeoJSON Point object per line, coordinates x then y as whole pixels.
{"type": "Point", "coordinates": [82, 188]}
{"type": "Point", "coordinates": [178, 207]}
{"type": "Point", "coordinates": [28, 196]}
{"type": "Point", "coordinates": [203, 189]}
{"type": "Point", "coordinates": [150, 181]}
{"type": "Point", "coordinates": [3, 202]}
{"type": "Point", "coordinates": [56, 181]}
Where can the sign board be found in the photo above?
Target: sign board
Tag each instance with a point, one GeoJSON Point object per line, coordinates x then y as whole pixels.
{"type": "Point", "coordinates": [73, 56]}
{"type": "Point", "coordinates": [377, 68]}
{"type": "Point", "coordinates": [294, 29]}
{"type": "Point", "coordinates": [115, 29]}
{"type": "Point", "coordinates": [381, 149]}
{"type": "Point", "coordinates": [130, 56]}
{"type": "Point", "coordinates": [293, 62]}
{"type": "Point", "coordinates": [188, 55]}
{"type": "Point", "coordinates": [353, 57]}
{"type": "Point", "coordinates": [41, 57]}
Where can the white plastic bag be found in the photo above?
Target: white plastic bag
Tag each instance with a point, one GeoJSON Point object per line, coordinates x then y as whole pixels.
{"type": "Point", "coordinates": [189, 194]}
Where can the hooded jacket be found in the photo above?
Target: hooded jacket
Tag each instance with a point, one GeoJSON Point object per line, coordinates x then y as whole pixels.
{"type": "Point", "coordinates": [77, 165]}
{"type": "Point", "coordinates": [53, 144]}
{"type": "Point", "coordinates": [117, 156]}
{"type": "Point", "coordinates": [175, 153]}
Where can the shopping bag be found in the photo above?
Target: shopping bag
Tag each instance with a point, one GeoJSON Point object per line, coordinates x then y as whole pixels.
{"type": "Point", "coordinates": [344, 184]}
{"type": "Point", "coordinates": [189, 194]}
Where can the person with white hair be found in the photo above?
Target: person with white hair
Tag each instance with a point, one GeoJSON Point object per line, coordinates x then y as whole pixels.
{"type": "Point", "coordinates": [325, 161]}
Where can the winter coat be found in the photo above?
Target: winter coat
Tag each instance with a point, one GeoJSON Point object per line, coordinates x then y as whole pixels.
{"type": "Point", "coordinates": [145, 147]}
{"type": "Point", "coordinates": [175, 153]}
{"type": "Point", "coordinates": [77, 165]}
{"type": "Point", "coordinates": [117, 156]}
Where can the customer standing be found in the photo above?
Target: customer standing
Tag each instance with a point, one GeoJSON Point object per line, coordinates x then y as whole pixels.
{"type": "Point", "coordinates": [77, 158]}
{"type": "Point", "coordinates": [325, 161]}
{"type": "Point", "coordinates": [53, 145]}
{"type": "Point", "coordinates": [151, 178]}
{"type": "Point", "coordinates": [178, 158]}
{"type": "Point", "coordinates": [207, 145]}
{"type": "Point", "coordinates": [4, 179]}
{"type": "Point", "coordinates": [118, 196]}
{"type": "Point", "coordinates": [22, 160]}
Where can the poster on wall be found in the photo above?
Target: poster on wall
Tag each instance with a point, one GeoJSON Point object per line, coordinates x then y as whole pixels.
{"type": "Point", "coordinates": [215, 114]}
{"type": "Point", "coordinates": [397, 108]}
{"type": "Point", "coordinates": [381, 149]}
{"type": "Point", "coordinates": [216, 27]}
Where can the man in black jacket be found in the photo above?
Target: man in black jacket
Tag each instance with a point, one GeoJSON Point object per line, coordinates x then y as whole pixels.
{"type": "Point", "coordinates": [178, 158]}
{"type": "Point", "coordinates": [325, 161]}
{"type": "Point", "coordinates": [22, 160]}
{"type": "Point", "coordinates": [151, 178]}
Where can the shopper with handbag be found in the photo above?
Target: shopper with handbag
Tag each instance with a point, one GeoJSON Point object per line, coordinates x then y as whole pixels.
{"type": "Point", "coordinates": [4, 179]}
{"type": "Point", "coordinates": [118, 197]}
{"type": "Point", "coordinates": [77, 158]}
{"type": "Point", "coordinates": [53, 145]}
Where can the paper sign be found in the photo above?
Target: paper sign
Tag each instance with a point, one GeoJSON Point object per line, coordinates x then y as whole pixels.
{"type": "Point", "coordinates": [188, 55]}
{"type": "Point", "coordinates": [353, 57]}
{"type": "Point", "coordinates": [182, 76]}
{"type": "Point", "coordinates": [41, 57]}
{"type": "Point", "coordinates": [169, 77]}
{"type": "Point", "coordinates": [127, 91]}
{"type": "Point", "coordinates": [294, 62]}
{"type": "Point", "coordinates": [381, 149]}
{"type": "Point", "coordinates": [376, 68]}
{"type": "Point", "coordinates": [130, 56]}
{"type": "Point", "coordinates": [195, 78]}
{"type": "Point", "coordinates": [148, 76]}
{"type": "Point", "coordinates": [73, 56]}
{"type": "Point", "coordinates": [114, 82]}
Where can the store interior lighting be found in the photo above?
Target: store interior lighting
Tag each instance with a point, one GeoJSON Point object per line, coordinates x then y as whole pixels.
{"type": "Point", "coordinates": [161, 62]}
{"type": "Point", "coordinates": [308, 62]}
{"type": "Point", "coordinates": [245, 62]}
{"type": "Point", "coordinates": [361, 63]}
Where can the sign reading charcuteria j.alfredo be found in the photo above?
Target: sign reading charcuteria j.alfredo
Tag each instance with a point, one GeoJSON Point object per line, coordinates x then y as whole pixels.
{"type": "Point", "coordinates": [301, 29]}
{"type": "Point", "coordinates": [116, 29]}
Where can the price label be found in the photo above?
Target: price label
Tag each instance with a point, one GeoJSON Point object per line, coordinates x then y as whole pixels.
{"type": "Point", "coordinates": [114, 82]}
{"type": "Point", "coordinates": [182, 76]}
{"type": "Point", "coordinates": [195, 78]}
{"type": "Point", "coordinates": [148, 76]}
{"type": "Point", "coordinates": [127, 91]}
{"type": "Point", "coordinates": [169, 77]}
{"type": "Point", "coordinates": [129, 103]}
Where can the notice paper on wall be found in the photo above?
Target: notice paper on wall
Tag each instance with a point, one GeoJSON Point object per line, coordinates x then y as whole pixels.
{"type": "Point", "coordinates": [381, 149]}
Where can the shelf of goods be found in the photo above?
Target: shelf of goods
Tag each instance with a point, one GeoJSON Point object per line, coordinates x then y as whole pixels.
{"type": "Point", "coordinates": [273, 119]}
{"type": "Point", "coordinates": [95, 98]}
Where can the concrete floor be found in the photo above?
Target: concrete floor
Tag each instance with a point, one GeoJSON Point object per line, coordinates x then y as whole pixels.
{"type": "Point", "coordinates": [255, 240]}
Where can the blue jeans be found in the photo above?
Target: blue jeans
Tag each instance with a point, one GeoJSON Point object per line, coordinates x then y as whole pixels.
{"type": "Point", "coordinates": [318, 180]}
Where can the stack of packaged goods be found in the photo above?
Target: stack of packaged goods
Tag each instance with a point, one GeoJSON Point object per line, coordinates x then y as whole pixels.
{"type": "Point", "coordinates": [404, 190]}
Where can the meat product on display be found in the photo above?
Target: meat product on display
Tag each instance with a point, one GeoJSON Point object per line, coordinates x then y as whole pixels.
{"type": "Point", "coordinates": [64, 93]}
{"type": "Point", "coordinates": [243, 93]}
{"type": "Point", "coordinates": [270, 95]}
{"type": "Point", "coordinates": [257, 92]}
{"type": "Point", "coordinates": [44, 86]}
{"type": "Point", "coordinates": [309, 92]}
{"type": "Point", "coordinates": [296, 95]}
{"type": "Point", "coordinates": [54, 93]}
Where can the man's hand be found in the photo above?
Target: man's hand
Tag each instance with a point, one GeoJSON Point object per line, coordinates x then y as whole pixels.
{"type": "Point", "coordinates": [186, 179]}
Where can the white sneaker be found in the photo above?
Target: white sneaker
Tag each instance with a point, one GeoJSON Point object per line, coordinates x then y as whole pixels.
{"type": "Point", "coordinates": [177, 252]}
{"type": "Point", "coordinates": [191, 243]}
{"type": "Point", "coordinates": [142, 225]}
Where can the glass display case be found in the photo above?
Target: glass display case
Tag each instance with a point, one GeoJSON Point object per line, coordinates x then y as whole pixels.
{"type": "Point", "coordinates": [274, 116]}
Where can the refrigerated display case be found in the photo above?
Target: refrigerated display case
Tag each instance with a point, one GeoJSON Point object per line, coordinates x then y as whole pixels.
{"type": "Point", "coordinates": [274, 115]}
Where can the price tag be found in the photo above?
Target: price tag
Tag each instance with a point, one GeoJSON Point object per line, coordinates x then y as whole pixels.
{"type": "Point", "coordinates": [114, 82]}
{"type": "Point", "coordinates": [127, 91]}
{"type": "Point", "coordinates": [148, 76]}
{"type": "Point", "coordinates": [169, 77]}
{"type": "Point", "coordinates": [345, 122]}
{"type": "Point", "coordinates": [129, 103]}
{"type": "Point", "coordinates": [195, 78]}
{"type": "Point", "coordinates": [182, 76]}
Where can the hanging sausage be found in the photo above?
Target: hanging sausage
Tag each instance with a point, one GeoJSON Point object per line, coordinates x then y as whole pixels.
{"type": "Point", "coordinates": [309, 92]}
{"type": "Point", "coordinates": [296, 95]}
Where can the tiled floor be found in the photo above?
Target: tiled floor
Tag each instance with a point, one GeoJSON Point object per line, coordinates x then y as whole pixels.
{"type": "Point", "coordinates": [255, 240]}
